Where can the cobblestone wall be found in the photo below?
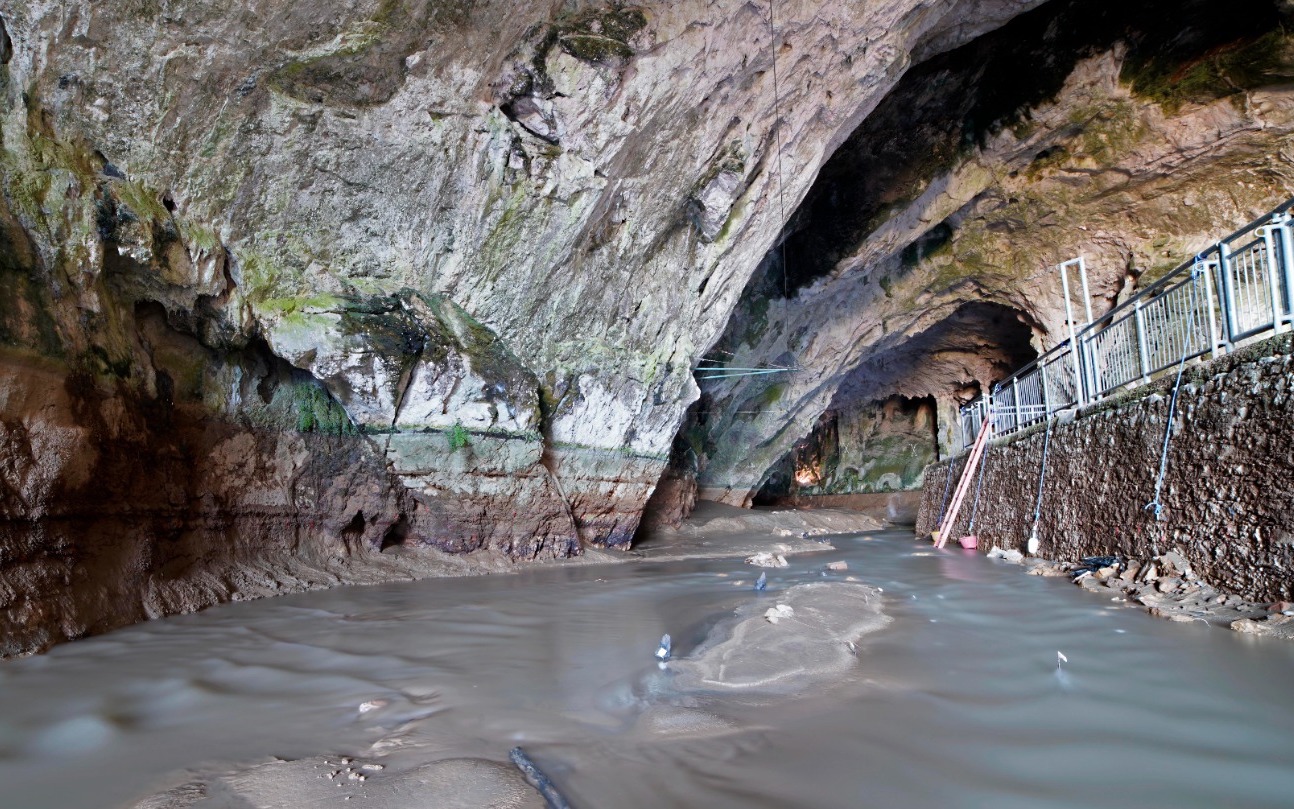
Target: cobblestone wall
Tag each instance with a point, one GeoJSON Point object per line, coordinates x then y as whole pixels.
{"type": "Point", "coordinates": [1228, 496]}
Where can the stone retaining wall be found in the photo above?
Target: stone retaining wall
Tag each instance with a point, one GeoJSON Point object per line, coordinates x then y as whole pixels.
{"type": "Point", "coordinates": [1228, 496]}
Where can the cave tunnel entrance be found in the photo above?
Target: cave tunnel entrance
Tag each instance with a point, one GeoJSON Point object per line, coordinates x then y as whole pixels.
{"type": "Point", "coordinates": [883, 426]}
{"type": "Point", "coordinates": [942, 110]}
{"type": "Point", "coordinates": [869, 448]}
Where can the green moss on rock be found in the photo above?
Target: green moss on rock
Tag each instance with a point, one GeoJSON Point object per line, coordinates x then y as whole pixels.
{"type": "Point", "coordinates": [1227, 70]}
{"type": "Point", "coordinates": [318, 412]}
{"type": "Point", "coordinates": [600, 35]}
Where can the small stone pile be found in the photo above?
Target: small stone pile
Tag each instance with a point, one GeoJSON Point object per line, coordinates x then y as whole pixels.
{"type": "Point", "coordinates": [1168, 588]}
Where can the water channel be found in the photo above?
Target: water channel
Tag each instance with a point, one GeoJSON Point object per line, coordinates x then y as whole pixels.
{"type": "Point", "coordinates": [957, 702]}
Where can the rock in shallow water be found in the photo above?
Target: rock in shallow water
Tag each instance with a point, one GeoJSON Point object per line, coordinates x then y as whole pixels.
{"type": "Point", "coordinates": [1013, 556]}
{"type": "Point", "coordinates": [775, 614]}
{"type": "Point", "coordinates": [448, 784]}
{"type": "Point", "coordinates": [763, 559]}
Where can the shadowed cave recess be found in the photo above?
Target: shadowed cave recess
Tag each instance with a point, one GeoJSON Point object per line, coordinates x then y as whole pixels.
{"type": "Point", "coordinates": [919, 268]}
{"type": "Point", "coordinates": [373, 291]}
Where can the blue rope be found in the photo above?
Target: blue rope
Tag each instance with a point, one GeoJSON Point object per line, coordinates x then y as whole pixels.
{"type": "Point", "coordinates": [948, 482]}
{"type": "Point", "coordinates": [1156, 505]}
{"type": "Point", "coordinates": [979, 486]}
{"type": "Point", "coordinates": [1042, 477]}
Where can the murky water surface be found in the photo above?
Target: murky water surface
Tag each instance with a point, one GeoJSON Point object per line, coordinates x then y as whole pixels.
{"type": "Point", "coordinates": [957, 703]}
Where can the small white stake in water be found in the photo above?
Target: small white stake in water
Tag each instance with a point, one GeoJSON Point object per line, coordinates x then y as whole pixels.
{"type": "Point", "coordinates": [1060, 658]}
{"type": "Point", "coordinates": [663, 652]}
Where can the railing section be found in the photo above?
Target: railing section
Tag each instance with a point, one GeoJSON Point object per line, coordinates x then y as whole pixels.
{"type": "Point", "coordinates": [1238, 289]}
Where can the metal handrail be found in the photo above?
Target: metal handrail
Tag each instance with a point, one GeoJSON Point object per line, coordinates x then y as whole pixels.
{"type": "Point", "coordinates": [1238, 288]}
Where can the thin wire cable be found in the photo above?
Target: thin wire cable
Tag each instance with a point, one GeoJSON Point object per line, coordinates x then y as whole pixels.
{"type": "Point", "coordinates": [948, 482]}
{"type": "Point", "coordinates": [781, 202]}
{"type": "Point", "coordinates": [979, 486]}
{"type": "Point", "coordinates": [777, 140]}
{"type": "Point", "coordinates": [1042, 478]}
{"type": "Point", "coordinates": [1156, 506]}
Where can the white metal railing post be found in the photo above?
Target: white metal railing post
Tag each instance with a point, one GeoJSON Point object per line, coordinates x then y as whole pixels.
{"type": "Point", "coordinates": [1228, 293]}
{"type": "Point", "coordinates": [1087, 296]}
{"type": "Point", "coordinates": [998, 411]}
{"type": "Point", "coordinates": [1046, 394]}
{"type": "Point", "coordinates": [1083, 368]}
{"type": "Point", "coordinates": [1272, 284]}
{"type": "Point", "coordinates": [1282, 222]}
{"type": "Point", "coordinates": [1015, 402]}
{"type": "Point", "coordinates": [1143, 353]}
{"type": "Point", "coordinates": [1073, 333]}
{"type": "Point", "coordinates": [1204, 270]}
{"type": "Point", "coordinates": [1046, 402]}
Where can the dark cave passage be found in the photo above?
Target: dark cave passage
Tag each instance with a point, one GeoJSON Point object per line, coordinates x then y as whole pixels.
{"type": "Point", "coordinates": [945, 332]}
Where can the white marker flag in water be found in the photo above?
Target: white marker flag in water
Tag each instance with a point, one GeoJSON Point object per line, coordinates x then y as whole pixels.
{"type": "Point", "coordinates": [663, 652]}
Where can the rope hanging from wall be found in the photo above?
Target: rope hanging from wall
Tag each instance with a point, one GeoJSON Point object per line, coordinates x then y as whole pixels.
{"type": "Point", "coordinates": [1156, 505]}
{"type": "Point", "coordinates": [1034, 542]}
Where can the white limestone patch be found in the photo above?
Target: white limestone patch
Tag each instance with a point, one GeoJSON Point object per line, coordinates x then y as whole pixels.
{"type": "Point", "coordinates": [766, 559]}
{"type": "Point", "coordinates": [599, 417]}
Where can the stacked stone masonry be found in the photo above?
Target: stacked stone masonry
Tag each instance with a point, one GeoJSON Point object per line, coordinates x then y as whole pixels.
{"type": "Point", "coordinates": [1226, 495]}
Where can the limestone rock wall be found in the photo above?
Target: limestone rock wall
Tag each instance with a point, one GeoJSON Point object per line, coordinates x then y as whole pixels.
{"type": "Point", "coordinates": [1226, 495]}
{"type": "Point", "coordinates": [1140, 133]}
{"type": "Point", "coordinates": [113, 510]}
{"type": "Point", "coordinates": [474, 250]}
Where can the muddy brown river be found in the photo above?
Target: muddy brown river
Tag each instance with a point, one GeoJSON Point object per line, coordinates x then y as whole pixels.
{"type": "Point", "coordinates": [958, 701]}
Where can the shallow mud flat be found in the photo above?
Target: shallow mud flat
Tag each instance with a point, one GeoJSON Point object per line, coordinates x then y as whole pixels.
{"type": "Point", "coordinates": [912, 677]}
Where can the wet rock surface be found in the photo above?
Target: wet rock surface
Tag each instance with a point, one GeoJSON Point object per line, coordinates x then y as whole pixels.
{"type": "Point", "coordinates": [112, 513]}
{"type": "Point", "coordinates": [1168, 588]}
